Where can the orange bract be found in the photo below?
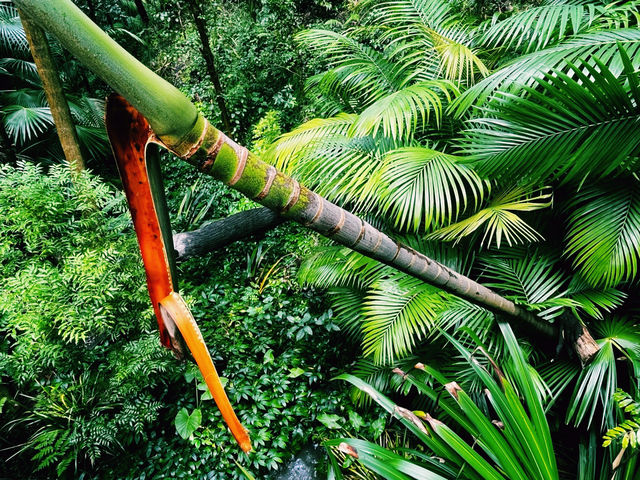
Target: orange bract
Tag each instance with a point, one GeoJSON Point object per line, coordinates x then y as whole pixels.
{"type": "Point", "coordinates": [130, 134]}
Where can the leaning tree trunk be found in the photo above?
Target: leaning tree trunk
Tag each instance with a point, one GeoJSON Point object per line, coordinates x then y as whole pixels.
{"type": "Point", "coordinates": [209, 60]}
{"type": "Point", "coordinates": [53, 90]}
{"type": "Point", "coordinates": [223, 232]}
{"type": "Point", "coordinates": [187, 133]}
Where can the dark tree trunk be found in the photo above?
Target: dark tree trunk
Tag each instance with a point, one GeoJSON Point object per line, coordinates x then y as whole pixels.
{"type": "Point", "coordinates": [7, 150]}
{"type": "Point", "coordinates": [223, 232]}
{"type": "Point", "coordinates": [53, 90]}
{"type": "Point", "coordinates": [142, 11]}
{"type": "Point", "coordinates": [92, 10]}
{"type": "Point", "coordinates": [207, 54]}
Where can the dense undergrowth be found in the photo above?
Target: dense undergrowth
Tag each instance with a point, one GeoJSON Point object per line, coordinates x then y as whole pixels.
{"type": "Point", "coordinates": [84, 376]}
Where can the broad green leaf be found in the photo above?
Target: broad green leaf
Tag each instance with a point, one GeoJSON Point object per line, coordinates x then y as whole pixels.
{"type": "Point", "coordinates": [187, 423]}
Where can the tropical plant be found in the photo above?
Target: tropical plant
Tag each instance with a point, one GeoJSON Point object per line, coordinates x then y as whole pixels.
{"type": "Point", "coordinates": [82, 375]}
{"type": "Point", "coordinates": [547, 125]}
{"type": "Point", "coordinates": [626, 432]}
{"type": "Point", "coordinates": [25, 115]}
{"type": "Point", "coordinates": [503, 434]}
{"type": "Point", "coordinates": [511, 439]}
{"type": "Point", "coordinates": [355, 145]}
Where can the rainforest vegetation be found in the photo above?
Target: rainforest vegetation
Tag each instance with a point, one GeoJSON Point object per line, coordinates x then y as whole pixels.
{"type": "Point", "coordinates": [478, 319]}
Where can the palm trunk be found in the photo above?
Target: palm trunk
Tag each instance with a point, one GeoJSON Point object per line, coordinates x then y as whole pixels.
{"type": "Point", "coordinates": [199, 143]}
{"type": "Point", "coordinates": [210, 62]}
{"type": "Point", "coordinates": [223, 232]}
{"type": "Point", "coordinates": [53, 90]}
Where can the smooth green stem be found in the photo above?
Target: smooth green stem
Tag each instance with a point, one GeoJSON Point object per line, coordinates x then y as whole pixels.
{"type": "Point", "coordinates": [169, 111]}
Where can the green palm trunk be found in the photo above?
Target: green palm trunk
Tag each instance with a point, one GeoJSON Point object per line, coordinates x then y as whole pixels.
{"type": "Point", "coordinates": [188, 134]}
{"type": "Point", "coordinates": [53, 90]}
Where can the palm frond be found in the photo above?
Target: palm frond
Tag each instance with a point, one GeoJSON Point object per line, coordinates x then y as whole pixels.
{"type": "Point", "coordinates": [604, 233]}
{"type": "Point", "coordinates": [12, 36]}
{"type": "Point", "coordinates": [599, 379]}
{"type": "Point", "coordinates": [404, 13]}
{"type": "Point", "coordinates": [458, 61]}
{"type": "Point", "coordinates": [459, 313]}
{"type": "Point", "coordinates": [594, 301]}
{"type": "Point", "coordinates": [25, 97]}
{"type": "Point", "coordinates": [359, 69]}
{"type": "Point", "coordinates": [401, 113]}
{"type": "Point", "coordinates": [25, 123]}
{"type": "Point", "coordinates": [527, 69]}
{"type": "Point", "coordinates": [398, 313]}
{"type": "Point", "coordinates": [380, 377]}
{"type": "Point", "coordinates": [538, 27]}
{"type": "Point", "coordinates": [529, 278]}
{"type": "Point", "coordinates": [499, 219]}
{"type": "Point", "coordinates": [87, 111]}
{"type": "Point", "coordinates": [423, 188]}
{"type": "Point", "coordinates": [570, 129]}
{"type": "Point", "coordinates": [94, 140]}
{"type": "Point", "coordinates": [332, 267]}
{"type": "Point", "coordinates": [22, 68]}
{"type": "Point", "coordinates": [460, 260]}
{"type": "Point", "coordinates": [291, 146]}
{"type": "Point", "coordinates": [344, 169]}
{"type": "Point", "coordinates": [557, 376]}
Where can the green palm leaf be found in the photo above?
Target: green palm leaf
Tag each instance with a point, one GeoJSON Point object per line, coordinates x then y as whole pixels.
{"type": "Point", "coordinates": [401, 14]}
{"type": "Point", "coordinates": [397, 314]}
{"type": "Point", "coordinates": [458, 60]}
{"type": "Point", "coordinates": [291, 146]}
{"type": "Point", "coordinates": [25, 123]}
{"type": "Point", "coordinates": [401, 113]}
{"type": "Point", "coordinates": [594, 301]}
{"type": "Point", "coordinates": [22, 68]}
{"type": "Point", "coordinates": [604, 233]}
{"type": "Point", "coordinates": [573, 127]}
{"type": "Point", "coordinates": [599, 379]}
{"type": "Point", "coordinates": [344, 169]}
{"type": "Point", "coordinates": [528, 278]}
{"type": "Point", "coordinates": [331, 267]}
{"type": "Point", "coordinates": [12, 36]}
{"type": "Point", "coordinates": [361, 70]}
{"type": "Point", "coordinates": [423, 188]}
{"type": "Point", "coordinates": [537, 27]}
{"type": "Point", "coordinates": [499, 219]}
{"type": "Point", "coordinates": [525, 70]}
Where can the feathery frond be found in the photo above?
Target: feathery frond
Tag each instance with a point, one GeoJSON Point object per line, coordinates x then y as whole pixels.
{"type": "Point", "coordinates": [290, 146]}
{"type": "Point", "coordinates": [499, 220]}
{"type": "Point", "coordinates": [603, 238]}
{"type": "Point", "coordinates": [528, 278]}
{"type": "Point", "coordinates": [404, 13]}
{"type": "Point", "coordinates": [538, 27]}
{"type": "Point", "coordinates": [403, 112]}
{"type": "Point", "coordinates": [582, 123]}
{"type": "Point", "coordinates": [360, 69]}
{"type": "Point", "coordinates": [525, 70]}
{"type": "Point", "coordinates": [423, 188]}
{"type": "Point", "coordinates": [398, 313]}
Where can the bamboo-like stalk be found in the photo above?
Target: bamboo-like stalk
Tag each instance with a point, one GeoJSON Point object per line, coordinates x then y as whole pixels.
{"type": "Point", "coordinates": [53, 90]}
{"type": "Point", "coordinates": [192, 138]}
